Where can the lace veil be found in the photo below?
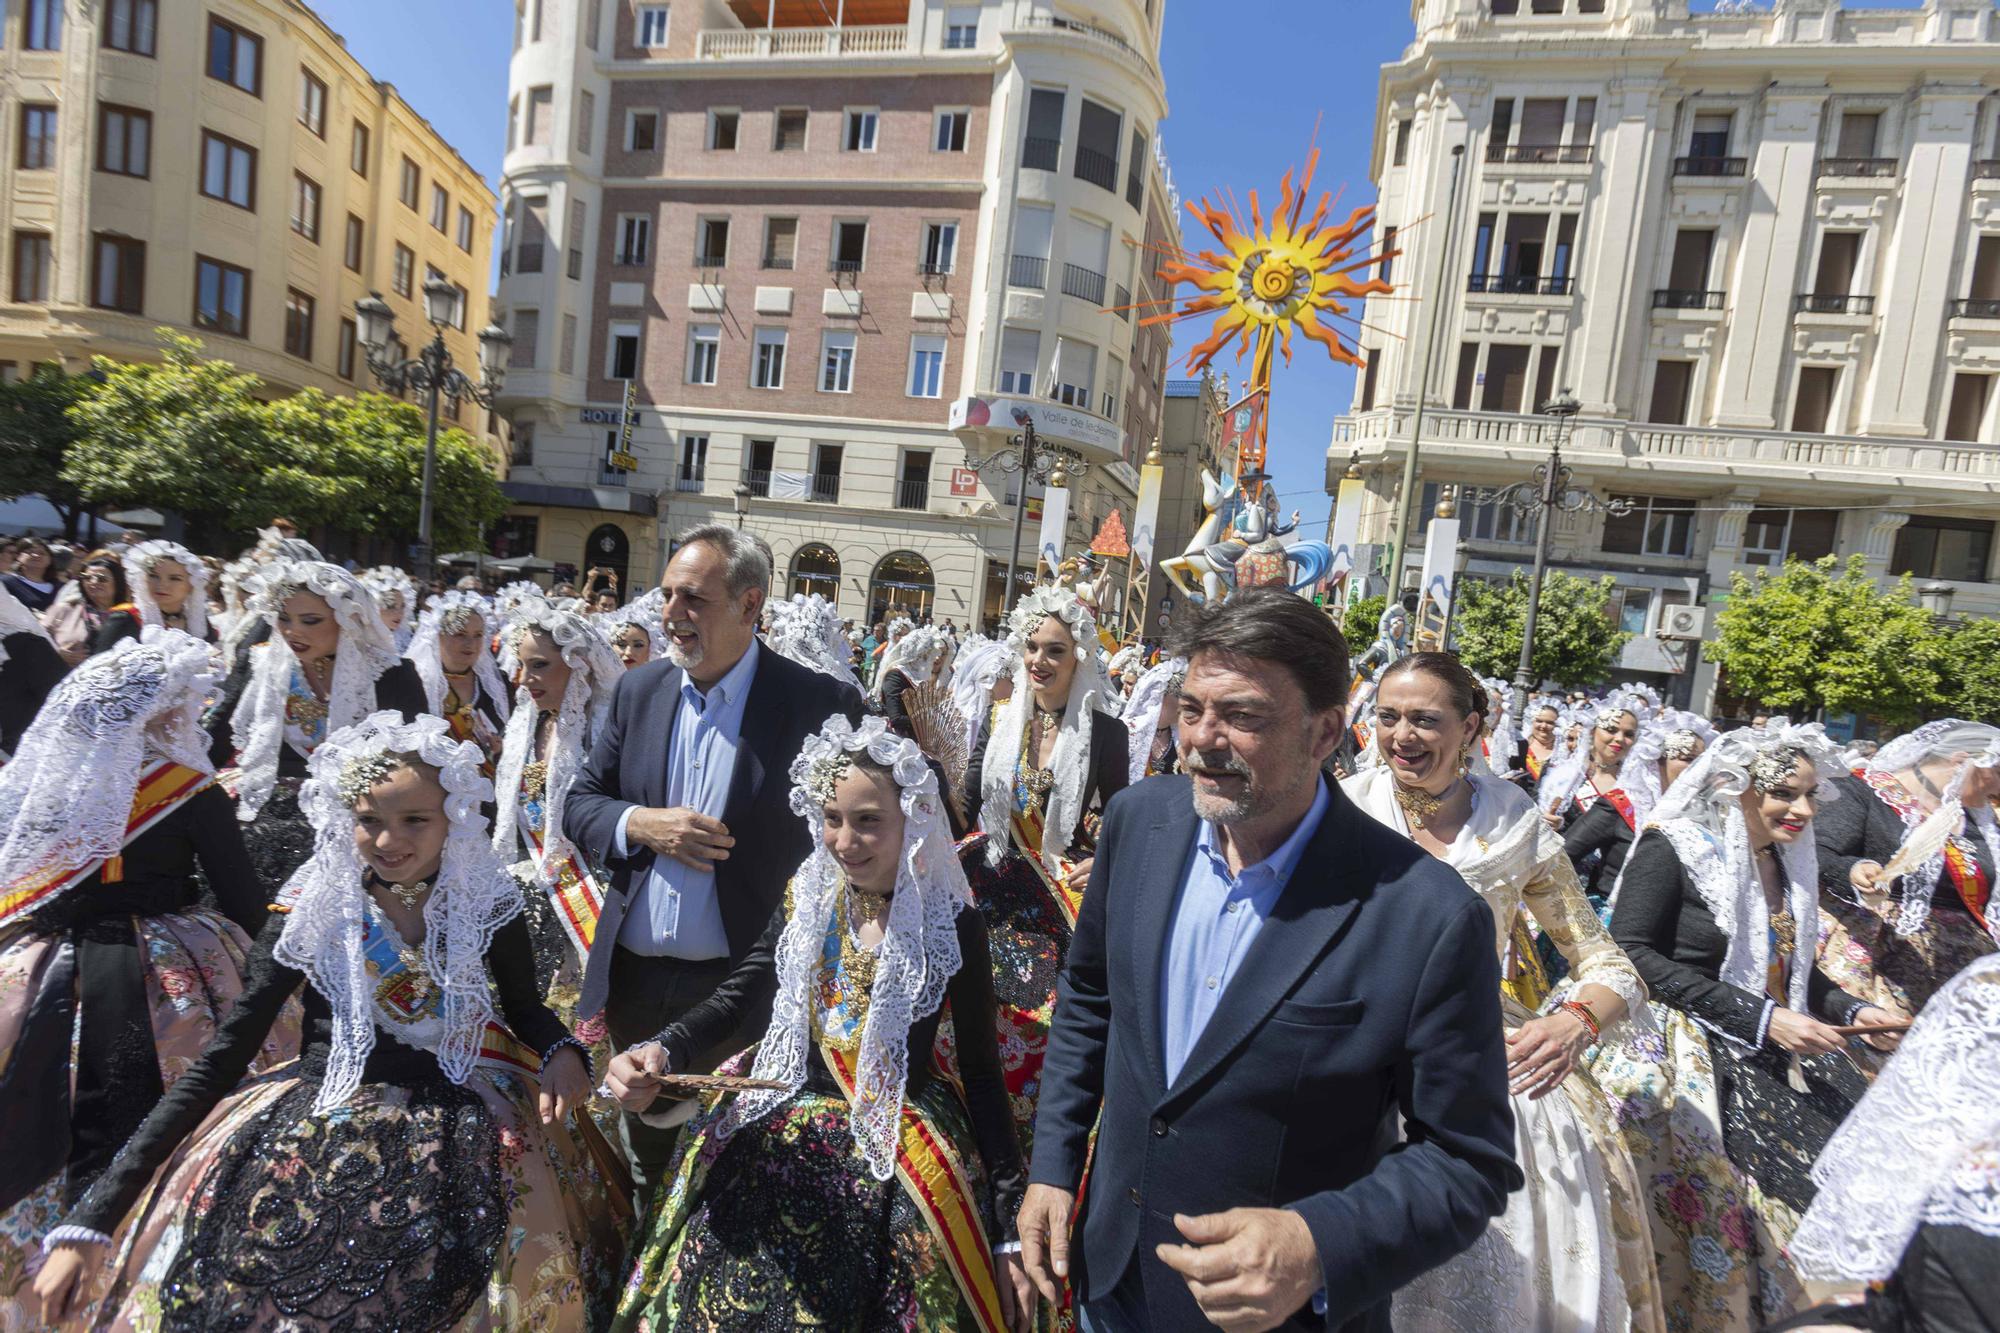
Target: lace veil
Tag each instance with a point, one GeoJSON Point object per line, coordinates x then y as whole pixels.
{"type": "Point", "coordinates": [917, 958]}
{"type": "Point", "coordinates": [807, 630]}
{"type": "Point", "coordinates": [1944, 739]}
{"type": "Point", "coordinates": [1638, 772]}
{"type": "Point", "coordinates": [1142, 710]}
{"type": "Point", "coordinates": [914, 655]}
{"type": "Point", "coordinates": [594, 670]}
{"type": "Point", "coordinates": [980, 662]}
{"type": "Point", "coordinates": [472, 897]}
{"type": "Point", "coordinates": [386, 581]}
{"type": "Point", "coordinates": [139, 561]}
{"type": "Point", "coordinates": [447, 614]}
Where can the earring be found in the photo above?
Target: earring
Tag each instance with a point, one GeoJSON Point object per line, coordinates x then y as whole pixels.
{"type": "Point", "coordinates": [1464, 758]}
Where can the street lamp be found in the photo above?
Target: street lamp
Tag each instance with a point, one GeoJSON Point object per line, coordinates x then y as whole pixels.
{"type": "Point", "coordinates": [430, 372]}
{"type": "Point", "coordinates": [1548, 492]}
{"type": "Point", "coordinates": [1935, 599]}
{"type": "Point", "coordinates": [740, 497]}
{"type": "Point", "coordinates": [1034, 461]}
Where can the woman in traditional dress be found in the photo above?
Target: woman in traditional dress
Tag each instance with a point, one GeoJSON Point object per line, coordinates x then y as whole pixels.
{"type": "Point", "coordinates": [329, 665]}
{"type": "Point", "coordinates": [1041, 771]}
{"type": "Point", "coordinates": [405, 1173]}
{"type": "Point", "coordinates": [453, 656]}
{"type": "Point", "coordinates": [1538, 746]}
{"type": "Point", "coordinates": [1908, 1185]}
{"type": "Point", "coordinates": [396, 598]}
{"type": "Point", "coordinates": [30, 667]}
{"type": "Point", "coordinates": [1572, 1251]}
{"type": "Point", "coordinates": [1603, 792]}
{"type": "Point", "coordinates": [1150, 717]}
{"type": "Point", "coordinates": [85, 603]}
{"type": "Point", "coordinates": [1684, 738]}
{"type": "Point", "coordinates": [917, 658]}
{"type": "Point", "coordinates": [864, 1193]}
{"type": "Point", "coordinates": [113, 974]}
{"type": "Point", "coordinates": [169, 588]}
{"type": "Point", "coordinates": [1898, 950]}
{"type": "Point", "coordinates": [1730, 1093]}
{"type": "Point", "coordinates": [807, 630]}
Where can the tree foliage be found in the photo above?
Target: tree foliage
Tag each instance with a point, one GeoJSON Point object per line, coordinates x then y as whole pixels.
{"type": "Point", "coordinates": [36, 434]}
{"type": "Point", "coordinates": [1969, 667]}
{"type": "Point", "coordinates": [1359, 625]}
{"type": "Point", "coordinates": [1825, 636]}
{"type": "Point", "coordinates": [1575, 643]}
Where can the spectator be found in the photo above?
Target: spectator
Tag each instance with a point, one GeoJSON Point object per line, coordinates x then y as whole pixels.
{"type": "Point", "coordinates": [32, 579]}
{"type": "Point", "coordinates": [76, 617]}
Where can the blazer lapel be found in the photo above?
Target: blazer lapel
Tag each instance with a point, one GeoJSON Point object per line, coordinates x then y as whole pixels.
{"type": "Point", "coordinates": [1315, 904]}
{"type": "Point", "coordinates": [665, 706]}
{"type": "Point", "coordinates": [1162, 867]}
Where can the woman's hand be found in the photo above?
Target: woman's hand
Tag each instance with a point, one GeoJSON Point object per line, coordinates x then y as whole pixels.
{"type": "Point", "coordinates": [1802, 1034]}
{"type": "Point", "coordinates": [1543, 1052]}
{"type": "Point", "coordinates": [1553, 820]}
{"type": "Point", "coordinates": [1017, 1294]}
{"type": "Point", "coordinates": [565, 1085]}
{"type": "Point", "coordinates": [1881, 1041]}
{"type": "Point", "coordinates": [62, 1273]}
{"type": "Point", "coordinates": [634, 1076]}
{"type": "Point", "coordinates": [1079, 874]}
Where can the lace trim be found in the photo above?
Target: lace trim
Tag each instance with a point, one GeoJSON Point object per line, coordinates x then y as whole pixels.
{"type": "Point", "coordinates": [594, 671]}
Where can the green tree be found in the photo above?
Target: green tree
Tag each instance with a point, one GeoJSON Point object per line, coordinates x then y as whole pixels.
{"type": "Point", "coordinates": [1575, 643]}
{"type": "Point", "coordinates": [1969, 664]}
{"type": "Point", "coordinates": [36, 434]}
{"type": "Point", "coordinates": [1364, 614]}
{"type": "Point", "coordinates": [1821, 636]}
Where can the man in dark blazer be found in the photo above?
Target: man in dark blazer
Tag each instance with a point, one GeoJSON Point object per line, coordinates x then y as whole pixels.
{"type": "Point", "coordinates": [1295, 1042]}
{"type": "Point", "coordinates": [685, 798]}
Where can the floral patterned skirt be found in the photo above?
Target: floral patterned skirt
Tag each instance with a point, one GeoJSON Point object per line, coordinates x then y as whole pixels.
{"type": "Point", "coordinates": [413, 1207]}
{"type": "Point", "coordinates": [193, 971]}
{"type": "Point", "coordinates": [1862, 954]}
{"type": "Point", "coordinates": [1724, 1149]}
{"type": "Point", "coordinates": [782, 1226]}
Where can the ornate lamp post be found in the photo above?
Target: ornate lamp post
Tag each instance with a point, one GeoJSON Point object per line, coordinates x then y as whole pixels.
{"type": "Point", "coordinates": [430, 372]}
{"type": "Point", "coordinates": [740, 499]}
{"type": "Point", "coordinates": [1549, 491]}
{"type": "Point", "coordinates": [1034, 461]}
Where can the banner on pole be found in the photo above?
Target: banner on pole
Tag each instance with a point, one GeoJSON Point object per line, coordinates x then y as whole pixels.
{"type": "Point", "coordinates": [1146, 517]}
{"type": "Point", "coordinates": [1341, 537]}
{"type": "Point", "coordinates": [1055, 517]}
{"type": "Point", "coordinates": [1435, 584]}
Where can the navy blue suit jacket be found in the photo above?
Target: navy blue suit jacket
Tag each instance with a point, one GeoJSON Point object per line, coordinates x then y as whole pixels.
{"type": "Point", "coordinates": [1354, 1070]}
{"type": "Point", "coordinates": [628, 766]}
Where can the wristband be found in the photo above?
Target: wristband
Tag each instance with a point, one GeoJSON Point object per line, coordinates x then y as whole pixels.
{"type": "Point", "coordinates": [1582, 1011]}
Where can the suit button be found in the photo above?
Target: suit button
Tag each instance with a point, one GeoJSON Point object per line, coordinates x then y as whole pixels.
{"type": "Point", "coordinates": [1159, 1127]}
{"type": "Point", "coordinates": [1133, 1195]}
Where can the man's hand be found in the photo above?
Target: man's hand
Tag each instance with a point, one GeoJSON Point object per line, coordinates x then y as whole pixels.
{"type": "Point", "coordinates": [634, 1077]}
{"type": "Point", "coordinates": [1249, 1269]}
{"type": "Point", "coordinates": [694, 839]}
{"type": "Point", "coordinates": [1044, 1227]}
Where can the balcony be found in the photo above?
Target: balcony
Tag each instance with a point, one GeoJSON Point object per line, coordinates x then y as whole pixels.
{"type": "Point", "coordinates": [913, 495]}
{"type": "Point", "coordinates": [1538, 152]}
{"type": "Point", "coordinates": [1519, 284]}
{"type": "Point", "coordinates": [801, 43]}
{"type": "Point", "coordinates": [1986, 169]}
{"type": "Point", "coordinates": [1104, 37]}
{"type": "Point", "coordinates": [1976, 307]}
{"type": "Point", "coordinates": [1028, 271]}
{"type": "Point", "coordinates": [843, 266]}
{"type": "Point", "coordinates": [1081, 282]}
{"type": "Point", "coordinates": [758, 479]}
{"type": "Point", "coordinates": [710, 261]}
{"type": "Point", "coordinates": [1828, 303]}
{"type": "Point", "coordinates": [690, 485]}
{"type": "Point", "coordinates": [1686, 298]}
{"type": "Point", "coordinates": [1860, 166]}
{"type": "Point", "coordinates": [611, 476]}
{"type": "Point", "coordinates": [826, 487]}
{"type": "Point", "coordinates": [1711, 166]}
{"type": "Point", "coordinates": [1100, 169]}
{"type": "Point", "coordinates": [629, 259]}
{"type": "Point", "coordinates": [927, 269]}
{"type": "Point", "coordinates": [1041, 154]}
{"type": "Point", "coordinates": [781, 263]}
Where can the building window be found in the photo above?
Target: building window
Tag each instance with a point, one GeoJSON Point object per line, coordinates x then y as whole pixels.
{"type": "Point", "coordinates": [826, 472]}
{"type": "Point", "coordinates": [132, 26]}
{"type": "Point", "coordinates": [836, 373]}
{"type": "Point", "coordinates": [43, 28]}
{"type": "Point", "coordinates": [635, 239]}
{"type": "Point", "coordinates": [34, 264]}
{"type": "Point", "coordinates": [573, 238]}
{"type": "Point", "coordinates": [951, 127]}
{"type": "Point", "coordinates": [961, 28]}
{"type": "Point", "coordinates": [711, 248]}
{"type": "Point", "coordinates": [704, 352]}
{"type": "Point", "coordinates": [1966, 417]}
{"type": "Point", "coordinates": [1812, 407]}
{"type": "Point", "coordinates": [228, 170]}
{"type": "Point", "coordinates": [1114, 378]}
{"type": "Point", "coordinates": [344, 354]}
{"type": "Point", "coordinates": [527, 333]}
{"type": "Point", "coordinates": [410, 184]}
{"type": "Point", "coordinates": [566, 345]}
{"type": "Point", "coordinates": [440, 208]}
{"type": "Point", "coordinates": [312, 102]}
{"type": "Point", "coordinates": [642, 131]}
{"type": "Point", "coordinates": [298, 324]}
{"type": "Point", "coordinates": [1097, 134]}
{"type": "Point", "coordinates": [850, 246]}
{"type": "Point", "coordinates": [465, 229]}
{"type": "Point", "coordinates": [652, 26]}
{"type": "Point", "coordinates": [1020, 356]}
{"type": "Point", "coordinates": [235, 56]}
{"type": "Point", "coordinates": [118, 274]}
{"type": "Point", "coordinates": [124, 140]}
{"type": "Point", "coordinates": [541, 116]}
{"type": "Point", "coordinates": [926, 366]}
{"type": "Point", "coordinates": [221, 297]}
{"type": "Point", "coordinates": [1673, 387]}
{"type": "Point", "coordinates": [1959, 549]}
{"type": "Point", "coordinates": [1772, 535]}
{"type": "Point", "coordinates": [403, 277]}
{"type": "Point", "coordinates": [586, 121]}
{"type": "Point", "coordinates": [781, 242]}
{"type": "Point", "coordinates": [940, 246]}
{"type": "Point", "coordinates": [357, 150]}
{"type": "Point", "coordinates": [305, 206]}
{"type": "Point", "coordinates": [860, 133]}
{"type": "Point", "coordinates": [1656, 526]}
{"type": "Point", "coordinates": [788, 133]}
{"type": "Point", "coordinates": [768, 369]}
{"type": "Point", "coordinates": [352, 243]}
{"type": "Point", "coordinates": [722, 127]}
{"type": "Point", "coordinates": [1387, 266]}
{"type": "Point", "coordinates": [758, 456]}
{"type": "Point", "coordinates": [38, 137]}
{"type": "Point", "coordinates": [621, 352]}
{"type": "Point", "coordinates": [1402, 153]}
{"type": "Point", "coordinates": [1042, 148]}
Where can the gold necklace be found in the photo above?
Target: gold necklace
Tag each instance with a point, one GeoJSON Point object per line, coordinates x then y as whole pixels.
{"type": "Point", "coordinates": [857, 963]}
{"type": "Point", "coordinates": [1046, 721]}
{"type": "Point", "coordinates": [534, 779]}
{"type": "Point", "coordinates": [1419, 806]}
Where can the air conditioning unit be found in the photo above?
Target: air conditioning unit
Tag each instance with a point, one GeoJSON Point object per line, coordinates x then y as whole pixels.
{"type": "Point", "coordinates": [1683, 622]}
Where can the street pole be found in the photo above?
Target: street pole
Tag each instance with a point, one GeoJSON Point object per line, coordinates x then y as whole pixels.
{"type": "Point", "coordinates": [1406, 498]}
{"type": "Point", "coordinates": [1020, 513]}
{"type": "Point", "coordinates": [1551, 496]}
{"type": "Point", "coordinates": [434, 356]}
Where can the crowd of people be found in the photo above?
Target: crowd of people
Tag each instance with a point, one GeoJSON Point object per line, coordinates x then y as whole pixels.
{"type": "Point", "coordinates": [375, 956]}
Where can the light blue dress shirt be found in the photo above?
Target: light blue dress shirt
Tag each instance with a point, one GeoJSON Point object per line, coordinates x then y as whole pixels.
{"type": "Point", "coordinates": [1215, 922]}
{"type": "Point", "coordinates": [675, 913]}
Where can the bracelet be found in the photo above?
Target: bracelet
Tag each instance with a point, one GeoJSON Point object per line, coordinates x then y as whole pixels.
{"type": "Point", "coordinates": [573, 1044]}
{"type": "Point", "coordinates": [1582, 1011]}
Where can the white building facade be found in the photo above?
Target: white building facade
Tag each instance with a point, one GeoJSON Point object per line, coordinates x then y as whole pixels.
{"type": "Point", "coordinates": [835, 247]}
{"type": "Point", "coordinates": [1762, 248]}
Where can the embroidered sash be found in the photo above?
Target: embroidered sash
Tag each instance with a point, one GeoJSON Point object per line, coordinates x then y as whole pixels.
{"type": "Point", "coordinates": [1028, 841]}
{"type": "Point", "coordinates": [1975, 890]}
{"type": "Point", "coordinates": [1619, 801]}
{"type": "Point", "coordinates": [411, 1003]}
{"type": "Point", "coordinates": [1532, 764]}
{"type": "Point", "coordinates": [576, 896]}
{"type": "Point", "coordinates": [162, 790]}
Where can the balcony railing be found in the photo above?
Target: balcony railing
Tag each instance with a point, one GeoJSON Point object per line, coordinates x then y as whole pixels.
{"type": "Point", "coordinates": [1986, 169]}
{"type": "Point", "coordinates": [710, 261]}
{"type": "Point", "coordinates": [1859, 166]}
{"type": "Point", "coordinates": [690, 484]}
{"type": "Point", "coordinates": [1099, 169]}
{"type": "Point", "coordinates": [1082, 282]}
{"type": "Point", "coordinates": [801, 43]}
{"type": "Point", "coordinates": [1041, 154]}
{"type": "Point", "coordinates": [758, 479]}
{"type": "Point", "coordinates": [1124, 303]}
{"type": "Point", "coordinates": [1519, 284]}
{"type": "Point", "coordinates": [1686, 298]}
{"type": "Point", "coordinates": [778, 262]}
{"type": "Point", "coordinates": [628, 258]}
{"type": "Point", "coordinates": [1976, 307]}
{"type": "Point", "coordinates": [611, 476]}
{"type": "Point", "coordinates": [1711, 166]}
{"type": "Point", "coordinates": [929, 269]}
{"type": "Point", "coordinates": [843, 266]}
{"type": "Point", "coordinates": [528, 257]}
{"type": "Point", "coordinates": [1538, 152]}
{"type": "Point", "coordinates": [826, 488]}
{"type": "Point", "coordinates": [1028, 271]}
{"type": "Point", "coordinates": [1834, 303]}
{"type": "Point", "coordinates": [913, 495]}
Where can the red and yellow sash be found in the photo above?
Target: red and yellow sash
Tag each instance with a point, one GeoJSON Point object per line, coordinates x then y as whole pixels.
{"type": "Point", "coordinates": [577, 898]}
{"type": "Point", "coordinates": [1975, 890]}
{"type": "Point", "coordinates": [1619, 801]}
{"type": "Point", "coordinates": [162, 789]}
{"type": "Point", "coordinates": [1532, 764]}
{"type": "Point", "coordinates": [501, 1049]}
{"type": "Point", "coordinates": [935, 1179]}
{"type": "Point", "coordinates": [1028, 841]}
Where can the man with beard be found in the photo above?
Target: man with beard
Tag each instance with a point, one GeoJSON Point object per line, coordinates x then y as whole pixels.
{"type": "Point", "coordinates": [1294, 1043]}
{"type": "Point", "coordinates": [684, 799]}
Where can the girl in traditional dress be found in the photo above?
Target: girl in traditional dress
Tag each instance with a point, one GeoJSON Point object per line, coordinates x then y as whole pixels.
{"type": "Point", "coordinates": [1603, 792]}
{"type": "Point", "coordinates": [113, 974]}
{"type": "Point", "coordinates": [864, 1193]}
{"type": "Point", "coordinates": [1728, 1097]}
{"type": "Point", "coordinates": [453, 655]}
{"type": "Point", "coordinates": [1572, 1251]}
{"type": "Point", "coordinates": [396, 598]}
{"type": "Point", "coordinates": [169, 588]}
{"type": "Point", "coordinates": [405, 1173]}
{"type": "Point", "coordinates": [1897, 950]}
{"type": "Point", "coordinates": [30, 667]}
{"type": "Point", "coordinates": [328, 665]}
{"type": "Point", "coordinates": [1041, 771]}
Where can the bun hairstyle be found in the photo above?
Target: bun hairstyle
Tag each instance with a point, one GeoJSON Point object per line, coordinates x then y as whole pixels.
{"type": "Point", "coordinates": [1468, 696]}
